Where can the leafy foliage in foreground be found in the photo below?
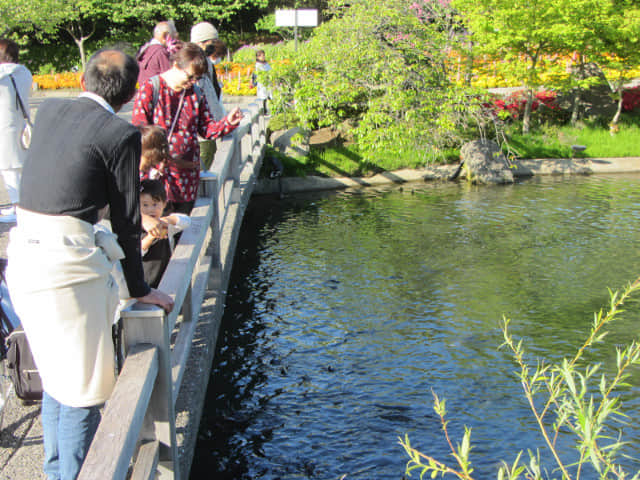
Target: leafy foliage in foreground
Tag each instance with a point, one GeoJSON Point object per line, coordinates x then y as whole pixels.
{"type": "Point", "coordinates": [567, 397]}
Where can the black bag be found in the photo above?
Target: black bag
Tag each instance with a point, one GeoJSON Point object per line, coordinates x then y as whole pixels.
{"type": "Point", "coordinates": [21, 367]}
{"type": "Point", "coordinates": [15, 349]}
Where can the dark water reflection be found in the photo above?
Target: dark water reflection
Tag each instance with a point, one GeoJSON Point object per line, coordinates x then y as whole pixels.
{"type": "Point", "coordinates": [346, 310]}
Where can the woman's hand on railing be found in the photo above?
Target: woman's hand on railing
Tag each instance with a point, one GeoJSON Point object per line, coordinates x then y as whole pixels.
{"type": "Point", "coordinates": [159, 298]}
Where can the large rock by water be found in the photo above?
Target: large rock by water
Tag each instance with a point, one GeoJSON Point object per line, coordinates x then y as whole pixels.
{"type": "Point", "coordinates": [484, 162]}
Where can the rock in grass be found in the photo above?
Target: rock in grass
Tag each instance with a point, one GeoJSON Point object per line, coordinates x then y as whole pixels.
{"type": "Point", "coordinates": [485, 163]}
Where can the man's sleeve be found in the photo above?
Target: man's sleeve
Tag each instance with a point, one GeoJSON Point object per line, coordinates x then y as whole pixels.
{"type": "Point", "coordinates": [124, 201]}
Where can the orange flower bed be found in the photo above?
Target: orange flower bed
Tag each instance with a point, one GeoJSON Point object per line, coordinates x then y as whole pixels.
{"type": "Point", "coordinates": [236, 78]}
{"type": "Point", "coordinates": [57, 80]}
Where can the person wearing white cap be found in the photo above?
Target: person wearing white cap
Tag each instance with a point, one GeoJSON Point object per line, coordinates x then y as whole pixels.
{"type": "Point", "coordinates": [203, 34]}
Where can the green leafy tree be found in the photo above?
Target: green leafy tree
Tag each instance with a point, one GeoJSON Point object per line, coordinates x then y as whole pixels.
{"type": "Point", "coordinates": [84, 19]}
{"type": "Point", "coordinates": [619, 47]}
{"type": "Point", "coordinates": [510, 30]}
{"type": "Point", "coordinates": [82, 16]}
{"type": "Point", "coordinates": [580, 39]}
{"type": "Point", "coordinates": [379, 68]}
{"type": "Point", "coordinates": [37, 16]}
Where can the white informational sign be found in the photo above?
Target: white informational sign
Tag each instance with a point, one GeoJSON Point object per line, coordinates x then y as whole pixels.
{"type": "Point", "coordinates": [305, 18]}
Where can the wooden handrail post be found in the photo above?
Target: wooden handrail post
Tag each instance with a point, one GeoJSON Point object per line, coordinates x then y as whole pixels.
{"type": "Point", "coordinates": [149, 324]}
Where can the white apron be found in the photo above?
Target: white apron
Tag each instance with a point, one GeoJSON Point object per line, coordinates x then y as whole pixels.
{"type": "Point", "coordinates": [62, 290]}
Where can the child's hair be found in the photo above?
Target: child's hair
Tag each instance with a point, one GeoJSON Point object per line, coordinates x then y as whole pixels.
{"type": "Point", "coordinates": [155, 147]}
{"type": "Point", "coordinates": [153, 188]}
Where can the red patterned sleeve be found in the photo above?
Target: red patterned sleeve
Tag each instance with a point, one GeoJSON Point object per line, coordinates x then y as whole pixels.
{"type": "Point", "coordinates": [142, 114]}
{"type": "Point", "coordinates": [208, 127]}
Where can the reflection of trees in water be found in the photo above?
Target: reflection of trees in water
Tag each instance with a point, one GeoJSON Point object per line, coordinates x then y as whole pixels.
{"type": "Point", "coordinates": [416, 271]}
{"type": "Point", "coordinates": [230, 403]}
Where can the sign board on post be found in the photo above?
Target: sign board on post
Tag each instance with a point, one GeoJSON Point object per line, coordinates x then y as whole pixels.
{"type": "Point", "coordinates": [297, 18]}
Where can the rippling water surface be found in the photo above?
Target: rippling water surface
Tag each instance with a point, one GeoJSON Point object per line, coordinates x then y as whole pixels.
{"type": "Point", "coordinates": [346, 310]}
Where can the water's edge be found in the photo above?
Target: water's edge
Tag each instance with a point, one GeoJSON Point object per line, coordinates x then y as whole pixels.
{"type": "Point", "coordinates": [522, 168]}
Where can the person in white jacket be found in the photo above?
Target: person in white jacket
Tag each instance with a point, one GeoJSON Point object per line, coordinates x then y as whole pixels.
{"type": "Point", "coordinates": [15, 85]}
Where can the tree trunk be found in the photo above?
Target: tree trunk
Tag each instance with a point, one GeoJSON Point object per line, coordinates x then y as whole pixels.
{"type": "Point", "coordinates": [577, 93]}
{"type": "Point", "coordinates": [575, 110]}
{"type": "Point", "coordinates": [526, 116]}
{"type": "Point", "coordinates": [83, 57]}
{"type": "Point", "coordinates": [468, 72]}
{"type": "Point", "coordinates": [613, 126]}
{"type": "Point", "coordinates": [80, 38]}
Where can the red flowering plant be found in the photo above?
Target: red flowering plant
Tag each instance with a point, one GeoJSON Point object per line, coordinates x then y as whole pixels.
{"type": "Point", "coordinates": [545, 104]}
{"type": "Point", "coordinates": [631, 99]}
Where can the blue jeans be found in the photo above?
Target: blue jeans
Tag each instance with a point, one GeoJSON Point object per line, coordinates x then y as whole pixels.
{"type": "Point", "coordinates": [67, 433]}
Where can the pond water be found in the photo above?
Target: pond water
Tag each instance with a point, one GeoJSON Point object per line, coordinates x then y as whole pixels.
{"type": "Point", "coordinates": [347, 309]}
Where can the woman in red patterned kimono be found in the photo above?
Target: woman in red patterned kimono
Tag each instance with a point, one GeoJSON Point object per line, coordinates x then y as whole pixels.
{"type": "Point", "coordinates": [183, 112]}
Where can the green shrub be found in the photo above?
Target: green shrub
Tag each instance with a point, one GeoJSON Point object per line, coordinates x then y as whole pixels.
{"type": "Point", "coordinates": [383, 68]}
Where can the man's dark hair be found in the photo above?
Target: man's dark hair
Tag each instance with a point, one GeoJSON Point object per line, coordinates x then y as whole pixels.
{"type": "Point", "coordinates": [153, 188]}
{"type": "Point", "coordinates": [112, 74]}
{"type": "Point", "coordinates": [8, 51]}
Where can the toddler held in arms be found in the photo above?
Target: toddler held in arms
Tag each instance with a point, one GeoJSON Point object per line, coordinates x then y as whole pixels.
{"type": "Point", "coordinates": [159, 230]}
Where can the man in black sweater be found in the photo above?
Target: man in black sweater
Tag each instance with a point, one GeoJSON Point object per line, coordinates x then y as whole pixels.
{"type": "Point", "coordinates": [83, 158]}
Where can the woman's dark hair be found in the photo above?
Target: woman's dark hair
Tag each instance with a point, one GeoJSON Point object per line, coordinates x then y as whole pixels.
{"type": "Point", "coordinates": [191, 54]}
{"type": "Point", "coordinates": [217, 48]}
{"type": "Point", "coordinates": [8, 51]}
{"type": "Point", "coordinates": [112, 74]}
{"type": "Point", "coordinates": [153, 188]}
{"type": "Point", "coordinates": [155, 147]}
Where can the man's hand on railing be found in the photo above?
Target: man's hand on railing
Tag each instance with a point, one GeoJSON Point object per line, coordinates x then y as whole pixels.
{"type": "Point", "coordinates": [157, 297]}
{"type": "Point", "coordinates": [234, 116]}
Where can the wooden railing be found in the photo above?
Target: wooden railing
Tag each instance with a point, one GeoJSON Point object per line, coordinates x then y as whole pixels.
{"type": "Point", "coordinates": [137, 435]}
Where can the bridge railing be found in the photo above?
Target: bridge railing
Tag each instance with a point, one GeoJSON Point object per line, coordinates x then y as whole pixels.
{"type": "Point", "coordinates": [138, 428]}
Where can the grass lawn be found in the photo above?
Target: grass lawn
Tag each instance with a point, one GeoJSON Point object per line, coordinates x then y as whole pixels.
{"type": "Point", "coordinates": [543, 142]}
{"type": "Point", "coordinates": [555, 142]}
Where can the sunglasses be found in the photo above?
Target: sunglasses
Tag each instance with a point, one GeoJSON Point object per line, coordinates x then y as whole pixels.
{"type": "Point", "coordinates": [193, 77]}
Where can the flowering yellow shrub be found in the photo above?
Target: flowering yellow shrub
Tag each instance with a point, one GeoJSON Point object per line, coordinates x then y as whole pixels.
{"type": "Point", "coordinates": [488, 73]}
{"type": "Point", "coordinates": [57, 80]}
{"type": "Point", "coordinates": [236, 77]}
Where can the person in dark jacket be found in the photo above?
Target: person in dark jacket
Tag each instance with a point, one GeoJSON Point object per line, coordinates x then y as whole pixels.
{"type": "Point", "coordinates": [154, 56]}
{"type": "Point", "coordinates": [82, 159]}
